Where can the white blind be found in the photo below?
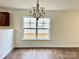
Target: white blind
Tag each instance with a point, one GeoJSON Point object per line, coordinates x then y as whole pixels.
{"type": "Point", "coordinates": [43, 29]}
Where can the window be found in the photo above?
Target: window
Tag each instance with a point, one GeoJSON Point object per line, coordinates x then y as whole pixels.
{"type": "Point", "coordinates": [41, 32]}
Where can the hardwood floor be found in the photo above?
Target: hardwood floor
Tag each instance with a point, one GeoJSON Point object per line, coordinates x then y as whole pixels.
{"type": "Point", "coordinates": [44, 54]}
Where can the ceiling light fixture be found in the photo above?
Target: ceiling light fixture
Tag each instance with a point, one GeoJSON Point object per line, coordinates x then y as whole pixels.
{"type": "Point", "coordinates": [37, 11]}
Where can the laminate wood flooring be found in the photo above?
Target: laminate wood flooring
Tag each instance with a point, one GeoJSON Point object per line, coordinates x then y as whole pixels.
{"type": "Point", "coordinates": [43, 54]}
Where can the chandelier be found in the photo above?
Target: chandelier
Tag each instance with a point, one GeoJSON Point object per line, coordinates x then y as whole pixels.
{"type": "Point", "coordinates": [37, 11]}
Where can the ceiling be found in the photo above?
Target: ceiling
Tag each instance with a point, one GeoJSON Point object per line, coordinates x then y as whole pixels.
{"type": "Point", "coordinates": [48, 4]}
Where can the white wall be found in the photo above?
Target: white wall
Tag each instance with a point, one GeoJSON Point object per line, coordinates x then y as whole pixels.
{"type": "Point", "coordinates": [64, 28]}
{"type": "Point", "coordinates": [6, 42]}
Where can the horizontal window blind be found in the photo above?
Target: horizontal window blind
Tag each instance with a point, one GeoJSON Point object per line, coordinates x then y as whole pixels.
{"type": "Point", "coordinates": [43, 29]}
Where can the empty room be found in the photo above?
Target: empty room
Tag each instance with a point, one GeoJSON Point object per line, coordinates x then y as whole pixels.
{"type": "Point", "coordinates": [39, 29]}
